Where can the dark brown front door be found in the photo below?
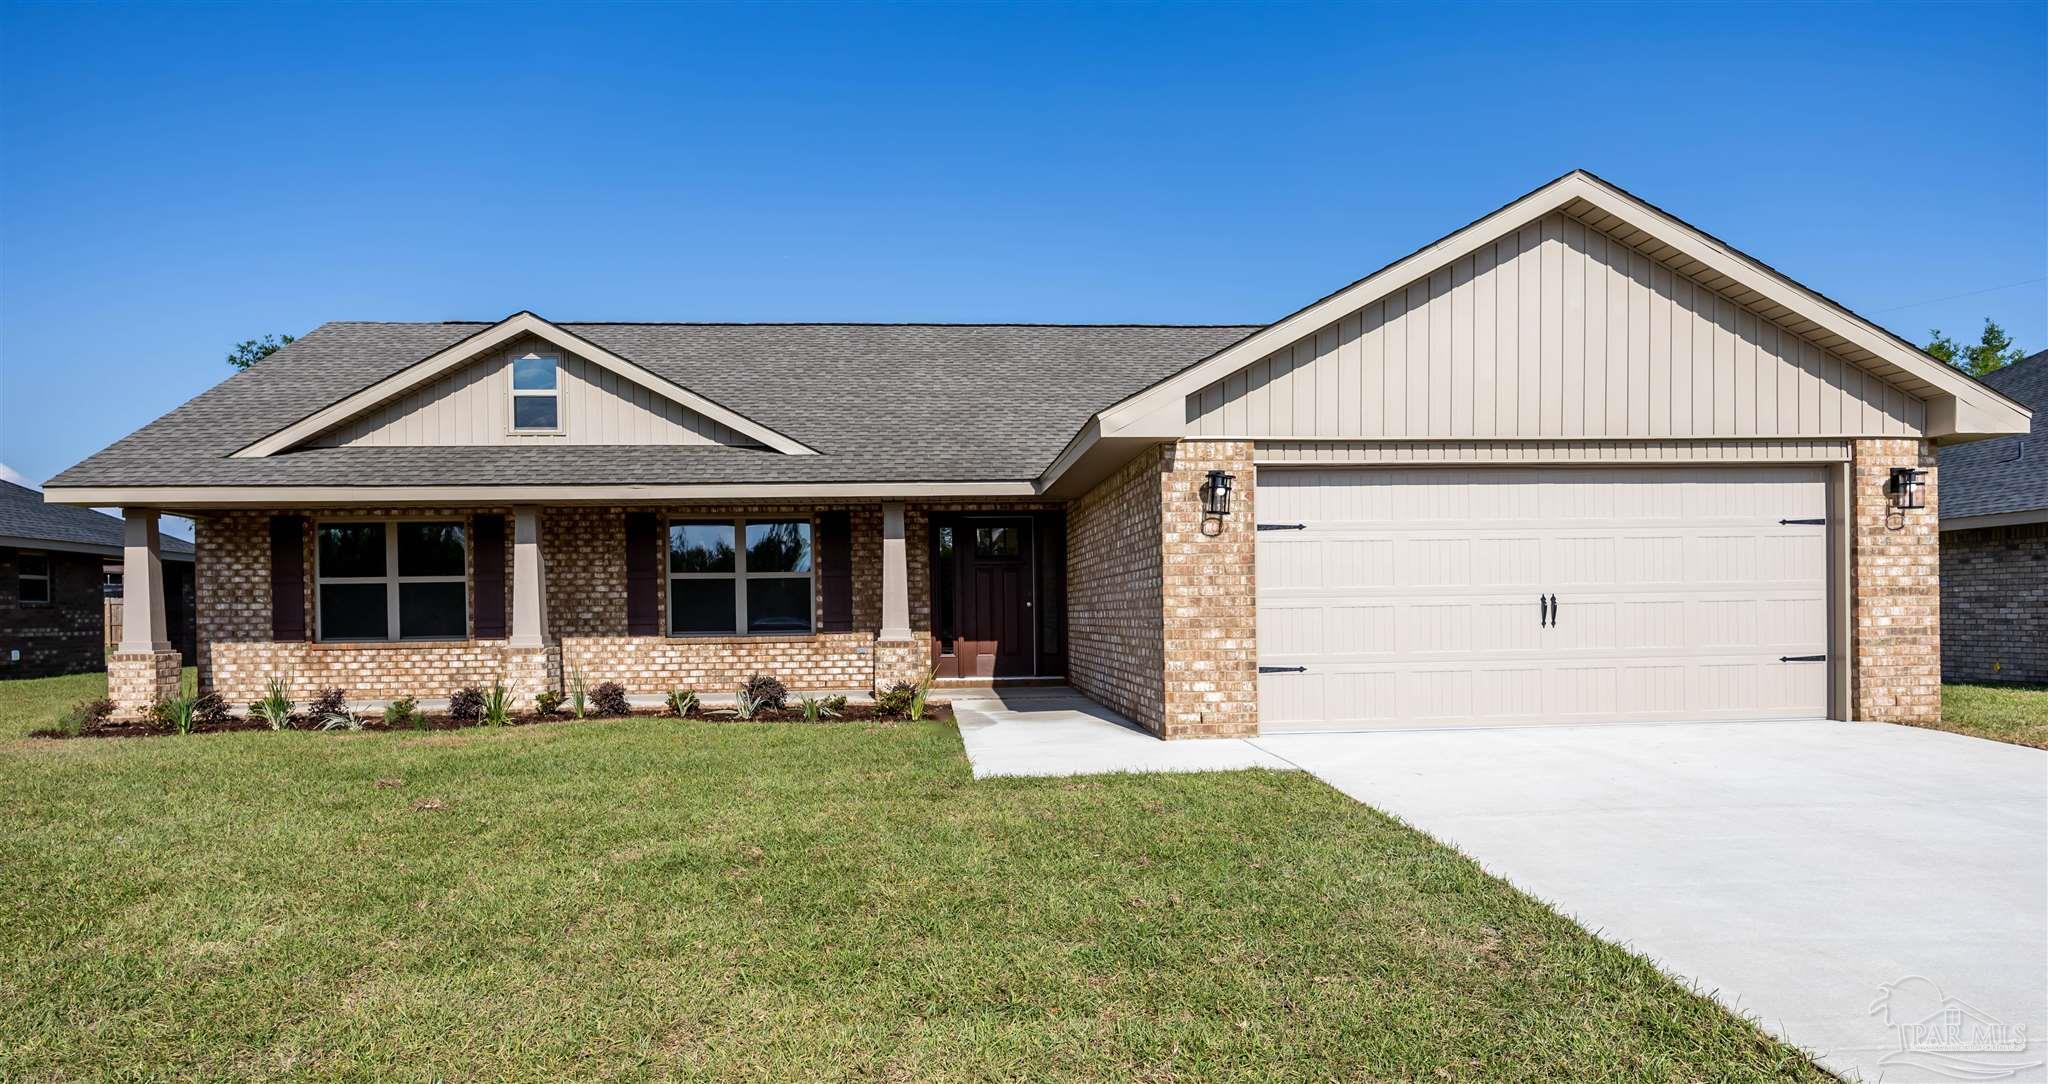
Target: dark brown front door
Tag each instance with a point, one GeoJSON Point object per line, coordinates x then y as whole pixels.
{"type": "Point", "coordinates": [991, 633]}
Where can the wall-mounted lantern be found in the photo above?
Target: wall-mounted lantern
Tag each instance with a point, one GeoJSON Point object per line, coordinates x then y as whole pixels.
{"type": "Point", "coordinates": [1216, 494]}
{"type": "Point", "coordinates": [1908, 488]}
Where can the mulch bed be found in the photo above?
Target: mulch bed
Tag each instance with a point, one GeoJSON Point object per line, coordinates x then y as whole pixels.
{"type": "Point", "coordinates": [936, 711]}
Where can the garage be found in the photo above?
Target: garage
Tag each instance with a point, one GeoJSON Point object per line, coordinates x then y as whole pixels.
{"type": "Point", "coordinates": [1569, 594]}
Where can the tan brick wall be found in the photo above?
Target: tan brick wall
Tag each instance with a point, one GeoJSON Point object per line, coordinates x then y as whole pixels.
{"type": "Point", "coordinates": [1210, 594]}
{"type": "Point", "coordinates": [1115, 609]}
{"type": "Point", "coordinates": [1896, 588]}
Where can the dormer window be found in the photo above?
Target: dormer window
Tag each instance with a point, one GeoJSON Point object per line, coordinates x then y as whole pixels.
{"type": "Point", "coordinates": [536, 394]}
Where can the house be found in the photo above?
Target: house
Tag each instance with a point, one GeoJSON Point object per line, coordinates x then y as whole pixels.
{"type": "Point", "coordinates": [56, 583]}
{"type": "Point", "coordinates": [1575, 461]}
{"type": "Point", "coordinates": [1994, 544]}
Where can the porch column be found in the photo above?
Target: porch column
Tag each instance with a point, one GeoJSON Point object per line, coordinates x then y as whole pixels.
{"type": "Point", "coordinates": [895, 574]}
{"type": "Point", "coordinates": [529, 580]}
{"type": "Point", "coordinates": [144, 667]}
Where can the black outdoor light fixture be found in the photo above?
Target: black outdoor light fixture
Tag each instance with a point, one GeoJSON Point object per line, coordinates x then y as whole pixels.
{"type": "Point", "coordinates": [1908, 488]}
{"type": "Point", "coordinates": [1216, 494]}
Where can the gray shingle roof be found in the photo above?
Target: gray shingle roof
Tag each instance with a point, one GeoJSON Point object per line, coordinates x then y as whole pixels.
{"type": "Point", "coordinates": [882, 403]}
{"type": "Point", "coordinates": [2010, 474]}
{"type": "Point", "coordinates": [24, 515]}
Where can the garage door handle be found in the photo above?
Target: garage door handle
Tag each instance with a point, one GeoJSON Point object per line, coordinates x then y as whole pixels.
{"type": "Point", "coordinates": [1802, 658]}
{"type": "Point", "coordinates": [1283, 669]}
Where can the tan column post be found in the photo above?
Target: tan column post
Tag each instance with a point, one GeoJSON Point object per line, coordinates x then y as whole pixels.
{"type": "Point", "coordinates": [529, 581]}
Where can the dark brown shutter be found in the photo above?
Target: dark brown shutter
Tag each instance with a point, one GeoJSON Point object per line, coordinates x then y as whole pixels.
{"type": "Point", "coordinates": [287, 578]}
{"type": "Point", "coordinates": [487, 560]}
{"type": "Point", "coordinates": [835, 569]}
{"type": "Point", "coordinates": [643, 579]}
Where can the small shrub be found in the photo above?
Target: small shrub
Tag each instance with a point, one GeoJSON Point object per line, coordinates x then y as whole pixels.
{"type": "Point", "coordinates": [329, 702]}
{"type": "Point", "coordinates": [680, 702]}
{"type": "Point", "coordinates": [768, 693]}
{"type": "Point", "coordinates": [547, 703]}
{"type": "Point", "coordinates": [78, 718]}
{"type": "Point", "coordinates": [212, 710]}
{"type": "Point", "coordinates": [837, 704]}
{"type": "Point", "coordinates": [816, 708]}
{"type": "Point", "coordinates": [895, 700]}
{"type": "Point", "coordinates": [744, 706]}
{"type": "Point", "coordinates": [609, 698]}
{"type": "Point", "coordinates": [276, 707]}
{"type": "Point", "coordinates": [404, 711]}
{"type": "Point", "coordinates": [579, 700]}
{"type": "Point", "coordinates": [175, 713]}
{"type": "Point", "coordinates": [497, 706]}
{"type": "Point", "coordinates": [342, 720]}
{"type": "Point", "coordinates": [920, 694]}
{"type": "Point", "coordinates": [466, 705]}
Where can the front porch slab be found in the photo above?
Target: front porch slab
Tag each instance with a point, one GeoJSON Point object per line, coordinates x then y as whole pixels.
{"type": "Point", "coordinates": [1057, 731]}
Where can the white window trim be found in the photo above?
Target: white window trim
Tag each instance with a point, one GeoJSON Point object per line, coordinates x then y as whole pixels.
{"type": "Point", "coordinates": [513, 392]}
{"type": "Point", "coordinates": [22, 579]}
{"type": "Point", "coordinates": [739, 576]}
{"type": "Point", "coordinates": [391, 581]}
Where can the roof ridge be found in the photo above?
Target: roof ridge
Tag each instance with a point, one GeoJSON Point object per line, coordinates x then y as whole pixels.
{"type": "Point", "coordinates": [788, 323]}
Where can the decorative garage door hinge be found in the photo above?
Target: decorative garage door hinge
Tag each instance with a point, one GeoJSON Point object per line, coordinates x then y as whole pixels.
{"type": "Point", "coordinates": [1283, 669]}
{"type": "Point", "coordinates": [1806, 522]}
{"type": "Point", "coordinates": [1283, 526]}
{"type": "Point", "coordinates": [1802, 658]}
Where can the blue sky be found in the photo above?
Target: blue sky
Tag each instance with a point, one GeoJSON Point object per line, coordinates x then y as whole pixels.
{"type": "Point", "coordinates": [176, 178]}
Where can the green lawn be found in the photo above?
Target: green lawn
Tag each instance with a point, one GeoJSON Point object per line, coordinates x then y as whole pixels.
{"type": "Point", "coordinates": [2010, 713]}
{"type": "Point", "coordinates": [653, 899]}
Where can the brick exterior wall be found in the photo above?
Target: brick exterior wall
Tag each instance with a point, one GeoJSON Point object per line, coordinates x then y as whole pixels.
{"type": "Point", "coordinates": [1115, 609]}
{"type": "Point", "coordinates": [1210, 589]}
{"type": "Point", "coordinates": [1994, 604]}
{"type": "Point", "coordinates": [61, 636]}
{"type": "Point", "coordinates": [1896, 588]}
{"type": "Point", "coordinates": [1162, 614]}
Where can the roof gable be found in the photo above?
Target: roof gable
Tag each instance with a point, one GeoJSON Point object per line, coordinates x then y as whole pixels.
{"type": "Point", "coordinates": [1957, 406]}
{"type": "Point", "coordinates": [466, 352]}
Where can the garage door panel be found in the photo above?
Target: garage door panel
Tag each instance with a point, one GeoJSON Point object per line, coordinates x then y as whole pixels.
{"type": "Point", "coordinates": [1412, 595]}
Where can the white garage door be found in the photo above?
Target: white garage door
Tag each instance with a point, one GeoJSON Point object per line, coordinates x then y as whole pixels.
{"type": "Point", "coordinates": [1403, 597]}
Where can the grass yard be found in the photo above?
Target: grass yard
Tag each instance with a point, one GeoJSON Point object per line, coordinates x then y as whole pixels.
{"type": "Point", "coordinates": [657, 899]}
{"type": "Point", "coordinates": [2008, 713]}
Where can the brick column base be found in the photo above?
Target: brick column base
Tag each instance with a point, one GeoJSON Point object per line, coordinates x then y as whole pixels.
{"type": "Point", "coordinates": [533, 670]}
{"type": "Point", "coordinates": [1209, 582]}
{"type": "Point", "coordinates": [900, 660]}
{"type": "Point", "coordinates": [138, 679]}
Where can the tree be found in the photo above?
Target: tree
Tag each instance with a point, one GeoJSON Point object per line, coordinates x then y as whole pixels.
{"type": "Point", "coordinates": [252, 351]}
{"type": "Point", "coordinates": [1992, 351]}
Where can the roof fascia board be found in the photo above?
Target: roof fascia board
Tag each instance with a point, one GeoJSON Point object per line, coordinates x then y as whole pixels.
{"type": "Point", "coordinates": [289, 496]}
{"type": "Point", "coordinates": [504, 331]}
{"type": "Point", "coordinates": [1995, 519]}
{"type": "Point", "coordinates": [21, 542]}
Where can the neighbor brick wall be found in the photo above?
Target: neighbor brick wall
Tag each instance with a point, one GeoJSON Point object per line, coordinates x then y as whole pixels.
{"type": "Point", "coordinates": [1210, 594]}
{"type": "Point", "coordinates": [1994, 604]}
{"type": "Point", "coordinates": [61, 636]}
{"type": "Point", "coordinates": [1115, 605]}
{"type": "Point", "coordinates": [1895, 580]}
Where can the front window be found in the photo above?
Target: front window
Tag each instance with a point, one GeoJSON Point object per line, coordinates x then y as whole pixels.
{"type": "Point", "coordinates": [392, 581]}
{"type": "Point", "coordinates": [536, 394]}
{"type": "Point", "coordinates": [739, 576]}
{"type": "Point", "coordinates": [32, 577]}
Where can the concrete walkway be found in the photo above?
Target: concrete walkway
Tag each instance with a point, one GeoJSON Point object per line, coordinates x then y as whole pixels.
{"type": "Point", "coordinates": [1057, 731]}
{"type": "Point", "coordinates": [1842, 883]}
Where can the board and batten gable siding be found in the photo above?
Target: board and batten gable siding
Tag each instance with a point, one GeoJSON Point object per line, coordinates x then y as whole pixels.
{"type": "Point", "coordinates": [472, 406]}
{"type": "Point", "coordinates": [1554, 331]}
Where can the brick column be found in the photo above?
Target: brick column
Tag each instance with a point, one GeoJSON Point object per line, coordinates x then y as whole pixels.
{"type": "Point", "coordinates": [144, 667]}
{"type": "Point", "coordinates": [1895, 574]}
{"type": "Point", "coordinates": [1209, 580]}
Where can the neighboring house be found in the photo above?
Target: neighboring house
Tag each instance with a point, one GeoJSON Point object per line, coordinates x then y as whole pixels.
{"type": "Point", "coordinates": [1576, 461]}
{"type": "Point", "coordinates": [55, 581]}
{"type": "Point", "coordinates": [1994, 544]}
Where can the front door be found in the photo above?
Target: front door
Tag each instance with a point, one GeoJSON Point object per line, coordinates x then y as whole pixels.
{"type": "Point", "coordinates": [982, 568]}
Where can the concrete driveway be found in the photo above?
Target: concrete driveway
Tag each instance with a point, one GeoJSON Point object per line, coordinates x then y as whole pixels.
{"type": "Point", "coordinates": [1843, 883]}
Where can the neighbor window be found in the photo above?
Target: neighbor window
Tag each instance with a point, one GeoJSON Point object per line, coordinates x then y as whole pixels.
{"type": "Point", "coordinates": [737, 576]}
{"type": "Point", "coordinates": [382, 580]}
{"type": "Point", "coordinates": [536, 394]}
{"type": "Point", "coordinates": [32, 577]}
